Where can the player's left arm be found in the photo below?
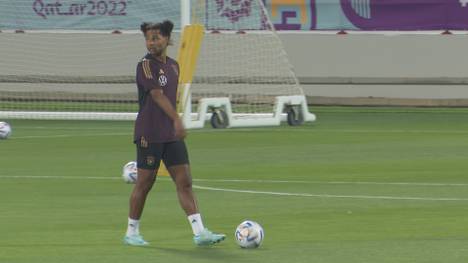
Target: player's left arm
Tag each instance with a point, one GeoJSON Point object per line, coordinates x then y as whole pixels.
{"type": "Point", "coordinates": [164, 103]}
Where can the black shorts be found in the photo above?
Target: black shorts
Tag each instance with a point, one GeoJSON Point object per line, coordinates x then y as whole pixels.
{"type": "Point", "coordinates": [172, 153]}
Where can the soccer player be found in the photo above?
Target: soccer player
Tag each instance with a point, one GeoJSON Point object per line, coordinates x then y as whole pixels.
{"type": "Point", "coordinates": [159, 135]}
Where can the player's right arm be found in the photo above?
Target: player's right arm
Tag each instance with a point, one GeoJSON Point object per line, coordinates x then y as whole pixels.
{"type": "Point", "coordinates": [150, 85]}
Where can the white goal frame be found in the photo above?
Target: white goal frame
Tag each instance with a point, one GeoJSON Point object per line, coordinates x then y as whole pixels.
{"type": "Point", "coordinates": [205, 105]}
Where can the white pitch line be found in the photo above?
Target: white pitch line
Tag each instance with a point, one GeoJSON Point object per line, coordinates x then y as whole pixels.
{"type": "Point", "coordinates": [329, 182]}
{"type": "Point", "coordinates": [74, 128]}
{"type": "Point", "coordinates": [239, 180]}
{"type": "Point", "coordinates": [297, 129]}
{"type": "Point", "coordinates": [400, 183]}
{"type": "Point", "coordinates": [57, 177]}
{"type": "Point", "coordinates": [70, 135]}
{"type": "Point", "coordinates": [330, 196]}
{"type": "Point", "coordinates": [258, 192]}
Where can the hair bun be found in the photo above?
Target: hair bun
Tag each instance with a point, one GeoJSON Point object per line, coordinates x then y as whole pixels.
{"type": "Point", "coordinates": [144, 27]}
{"type": "Point", "coordinates": [166, 27]}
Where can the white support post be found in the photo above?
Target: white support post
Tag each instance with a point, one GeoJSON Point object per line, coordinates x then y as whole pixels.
{"type": "Point", "coordinates": [184, 13]}
{"type": "Point", "coordinates": [187, 100]}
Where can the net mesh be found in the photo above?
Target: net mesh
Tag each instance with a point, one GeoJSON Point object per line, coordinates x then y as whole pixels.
{"type": "Point", "coordinates": [69, 61]}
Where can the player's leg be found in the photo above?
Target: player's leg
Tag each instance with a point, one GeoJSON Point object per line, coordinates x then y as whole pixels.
{"type": "Point", "coordinates": [143, 185]}
{"type": "Point", "coordinates": [177, 163]}
{"type": "Point", "coordinates": [183, 180]}
{"type": "Point", "coordinates": [148, 159]}
{"type": "Point", "coordinates": [180, 174]}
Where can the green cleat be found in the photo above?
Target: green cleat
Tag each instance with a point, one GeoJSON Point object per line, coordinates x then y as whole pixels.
{"type": "Point", "coordinates": [135, 240]}
{"type": "Point", "coordinates": [206, 237]}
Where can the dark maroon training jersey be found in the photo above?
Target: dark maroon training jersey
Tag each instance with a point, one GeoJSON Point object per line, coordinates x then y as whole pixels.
{"type": "Point", "coordinates": [152, 123]}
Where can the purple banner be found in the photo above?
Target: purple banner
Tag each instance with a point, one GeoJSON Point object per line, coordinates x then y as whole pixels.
{"type": "Point", "coordinates": [407, 14]}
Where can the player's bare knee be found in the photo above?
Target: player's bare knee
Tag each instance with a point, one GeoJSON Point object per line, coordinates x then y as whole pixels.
{"type": "Point", "coordinates": [142, 189]}
{"type": "Point", "coordinates": [145, 182]}
{"type": "Point", "coordinates": [184, 185]}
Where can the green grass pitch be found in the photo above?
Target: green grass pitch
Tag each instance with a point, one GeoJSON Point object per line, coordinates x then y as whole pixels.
{"type": "Point", "coordinates": [361, 185]}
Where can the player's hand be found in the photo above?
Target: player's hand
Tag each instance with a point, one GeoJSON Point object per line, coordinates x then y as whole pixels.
{"type": "Point", "coordinates": [180, 132]}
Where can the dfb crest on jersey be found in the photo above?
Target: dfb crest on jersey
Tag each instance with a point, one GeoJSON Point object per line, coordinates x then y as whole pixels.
{"type": "Point", "coordinates": [234, 9]}
{"type": "Point", "coordinates": [162, 80]}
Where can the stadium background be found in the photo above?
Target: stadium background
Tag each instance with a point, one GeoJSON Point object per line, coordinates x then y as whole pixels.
{"type": "Point", "coordinates": [424, 68]}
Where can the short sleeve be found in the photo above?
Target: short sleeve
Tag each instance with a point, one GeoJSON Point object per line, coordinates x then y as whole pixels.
{"type": "Point", "coordinates": [145, 76]}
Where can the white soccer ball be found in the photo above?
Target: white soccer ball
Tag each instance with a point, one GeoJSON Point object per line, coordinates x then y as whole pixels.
{"type": "Point", "coordinates": [5, 130]}
{"type": "Point", "coordinates": [249, 234]}
{"type": "Point", "coordinates": [130, 173]}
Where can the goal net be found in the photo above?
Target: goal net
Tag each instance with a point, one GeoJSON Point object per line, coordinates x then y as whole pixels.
{"type": "Point", "coordinates": [76, 59]}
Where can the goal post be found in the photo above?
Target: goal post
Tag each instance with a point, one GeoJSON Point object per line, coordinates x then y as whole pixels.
{"type": "Point", "coordinates": [247, 79]}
